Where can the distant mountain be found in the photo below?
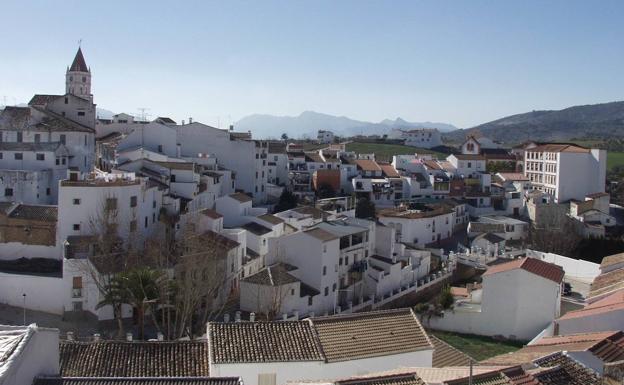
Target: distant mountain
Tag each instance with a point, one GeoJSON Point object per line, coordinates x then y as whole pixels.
{"type": "Point", "coordinates": [601, 121]}
{"type": "Point", "coordinates": [309, 122]}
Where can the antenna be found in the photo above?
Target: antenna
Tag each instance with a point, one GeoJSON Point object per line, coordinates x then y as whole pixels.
{"type": "Point", "coordinates": [143, 115]}
{"type": "Point", "coordinates": [79, 42]}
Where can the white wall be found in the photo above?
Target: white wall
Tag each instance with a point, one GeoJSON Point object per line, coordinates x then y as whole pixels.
{"type": "Point", "coordinates": [36, 355]}
{"type": "Point", "coordinates": [314, 370]}
{"type": "Point", "coordinates": [573, 267]}
{"type": "Point", "coordinates": [45, 294]}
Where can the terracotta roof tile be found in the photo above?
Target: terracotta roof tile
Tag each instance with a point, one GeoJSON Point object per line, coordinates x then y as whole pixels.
{"type": "Point", "coordinates": [445, 355]}
{"type": "Point", "coordinates": [371, 334]}
{"type": "Point", "coordinates": [396, 379]}
{"type": "Point", "coordinates": [389, 171]}
{"type": "Point", "coordinates": [134, 359]}
{"type": "Point", "coordinates": [613, 302]}
{"type": "Point", "coordinates": [284, 341]}
{"type": "Point", "coordinates": [367, 165]}
{"type": "Point", "coordinates": [538, 267]}
{"type": "Point", "coordinates": [275, 275]}
{"type": "Point", "coordinates": [137, 381]}
{"type": "Point", "coordinates": [612, 260]}
{"type": "Point", "coordinates": [607, 282]}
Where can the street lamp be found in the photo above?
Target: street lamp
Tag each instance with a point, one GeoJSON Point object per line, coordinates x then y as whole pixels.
{"type": "Point", "coordinates": [24, 307]}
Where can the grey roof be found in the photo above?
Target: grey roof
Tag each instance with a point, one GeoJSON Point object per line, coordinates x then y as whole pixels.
{"type": "Point", "coordinates": [35, 212]}
{"type": "Point", "coordinates": [256, 228]}
{"type": "Point", "coordinates": [275, 275]}
{"type": "Point", "coordinates": [30, 146]}
{"type": "Point", "coordinates": [492, 238]}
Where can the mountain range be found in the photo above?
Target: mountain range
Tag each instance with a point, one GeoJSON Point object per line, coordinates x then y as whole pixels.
{"type": "Point", "coordinates": [596, 121]}
{"type": "Point", "coordinates": [309, 122]}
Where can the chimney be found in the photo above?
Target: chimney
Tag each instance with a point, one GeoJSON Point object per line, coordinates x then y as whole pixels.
{"type": "Point", "coordinates": [190, 120]}
{"type": "Point", "coordinates": [284, 317]}
{"type": "Point", "coordinates": [129, 337]}
{"type": "Point", "coordinates": [160, 336]}
{"type": "Point", "coordinates": [296, 314]}
{"type": "Point", "coordinates": [311, 315]}
{"type": "Point", "coordinates": [252, 317]}
{"type": "Point", "coordinates": [96, 337]}
{"type": "Point", "coordinates": [237, 316]}
{"type": "Point", "coordinates": [226, 318]}
{"type": "Point", "coordinates": [183, 122]}
{"type": "Point", "coordinates": [231, 127]}
{"type": "Point", "coordinates": [70, 336]}
{"type": "Point", "coordinates": [178, 150]}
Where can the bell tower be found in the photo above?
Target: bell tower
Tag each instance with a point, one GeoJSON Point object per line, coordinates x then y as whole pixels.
{"type": "Point", "coordinates": [78, 78]}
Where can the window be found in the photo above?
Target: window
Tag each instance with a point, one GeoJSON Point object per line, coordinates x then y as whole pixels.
{"type": "Point", "coordinates": [77, 287]}
{"type": "Point", "coordinates": [20, 137]}
{"type": "Point", "coordinates": [310, 299]}
{"type": "Point", "coordinates": [66, 98]}
{"type": "Point", "coordinates": [37, 138]}
{"type": "Point", "coordinates": [326, 291]}
{"type": "Point", "coordinates": [292, 291]}
{"type": "Point", "coordinates": [62, 138]}
{"type": "Point", "coordinates": [146, 222]}
{"type": "Point", "coordinates": [8, 192]}
{"type": "Point", "coordinates": [77, 306]}
{"type": "Point", "coordinates": [64, 160]}
{"type": "Point", "coordinates": [81, 113]}
{"type": "Point", "coordinates": [41, 157]}
{"type": "Point", "coordinates": [346, 260]}
{"type": "Point", "coordinates": [340, 261]}
{"type": "Point", "coordinates": [133, 226]}
{"type": "Point", "coordinates": [133, 201]}
{"type": "Point", "coordinates": [18, 156]}
{"type": "Point", "coordinates": [84, 79]}
{"type": "Point", "coordinates": [76, 227]}
{"type": "Point", "coordinates": [153, 204]}
{"type": "Point", "coordinates": [76, 201]}
{"type": "Point", "coordinates": [173, 178]}
{"type": "Point", "coordinates": [324, 270]}
{"type": "Point", "coordinates": [85, 140]}
{"type": "Point", "coordinates": [48, 191]}
{"type": "Point", "coordinates": [1, 156]}
{"type": "Point", "coordinates": [160, 148]}
{"type": "Point", "coordinates": [111, 204]}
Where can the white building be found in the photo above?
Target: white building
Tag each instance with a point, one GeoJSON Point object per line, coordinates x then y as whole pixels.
{"type": "Point", "coordinates": [467, 165]}
{"type": "Point", "coordinates": [274, 353]}
{"type": "Point", "coordinates": [566, 171]}
{"type": "Point", "coordinates": [87, 205]}
{"type": "Point", "coordinates": [325, 136]}
{"type": "Point", "coordinates": [28, 352]}
{"type": "Point", "coordinates": [420, 137]}
{"type": "Point", "coordinates": [51, 134]}
{"type": "Point", "coordinates": [475, 146]}
{"type": "Point", "coordinates": [422, 226]}
{"type": "Point", "coordinates": [518, 300]}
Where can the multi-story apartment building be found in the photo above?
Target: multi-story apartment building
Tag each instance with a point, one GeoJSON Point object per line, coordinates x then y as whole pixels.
{"type": "Point", "coordinates": [565, 171]}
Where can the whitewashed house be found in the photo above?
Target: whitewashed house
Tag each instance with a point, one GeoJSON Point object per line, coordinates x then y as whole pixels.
{"type": "Point", "coordinates": [420, 137]}
{"type": "Point", "coordinates": [518, 300]}
{"type": "Point", "coordinates": [420, 226]}
{"type": "Point", "coordinates": [325, 136]}
{"type": "Point", "coordinates": [271, 353]}
{"type": "Point", "coordinates": [467, 165]}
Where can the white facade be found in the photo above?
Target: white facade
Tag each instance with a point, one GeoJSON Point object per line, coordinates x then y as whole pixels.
{"type": "Point", "coordinates": [420, 227]}
{"type": "Point", "coordinates": [566, 172]}
{"type": "Point", "coordinates": [30, 352]}
{"type": "Point", "coordinates": [515, 304]}
{"type": "Point", "coordinates": [325, 136]}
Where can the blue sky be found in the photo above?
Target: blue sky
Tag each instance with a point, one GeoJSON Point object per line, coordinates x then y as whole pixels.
{"type": "Point", "coordinates": [461, 62]}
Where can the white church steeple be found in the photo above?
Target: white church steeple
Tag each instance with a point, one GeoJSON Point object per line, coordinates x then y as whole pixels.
{"type": "Point", "coordinates": [78, 78]}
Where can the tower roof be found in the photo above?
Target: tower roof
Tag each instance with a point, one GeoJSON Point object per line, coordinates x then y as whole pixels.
{"type": "Point", "coordinates": [79, 64]}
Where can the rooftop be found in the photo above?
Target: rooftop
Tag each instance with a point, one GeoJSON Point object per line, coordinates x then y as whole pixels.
{"type": "Point", "coordinates": [134, 359]}
{"type": "Point", "coordinates": [241, 197]}
{"type": "Point", "coordinates": [137, 381]}
{"type": "Point", "coordinates": [256, 228]}
{"type": "Point", "coordinates": [532, 265]}
{"type": "Point", "coordinates": [274, 275]}
{"type": "Point", "coordinates": [367, 165]}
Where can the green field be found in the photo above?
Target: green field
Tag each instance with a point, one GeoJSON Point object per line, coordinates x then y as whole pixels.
{"type": "Point", "coordinates": [477, 347]}
{"type": "Point", "coordinates": [615, 159]}
{"type": "Point", "coordinates": [384, 152]}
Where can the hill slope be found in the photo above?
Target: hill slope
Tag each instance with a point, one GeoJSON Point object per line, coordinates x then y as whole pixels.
{"type": "Point", "coordinates": [602, 121]}
{"type": "Point", "coordinates": [309, 122]}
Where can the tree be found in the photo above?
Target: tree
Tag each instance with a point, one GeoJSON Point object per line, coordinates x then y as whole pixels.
{"type": "Point", "coordinates": [140, 288]}
{"type": "Point", "coordinates": [446, 298]}
{"type": "Point", "coordinates": [365, 209]}
{"type": "Point", "coordinates": [287, 201]}
{"type": "Point", "coordinates": [284, 136]}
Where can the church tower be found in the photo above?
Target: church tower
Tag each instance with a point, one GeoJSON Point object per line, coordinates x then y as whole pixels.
{"type": "Point", "coordinates": [78, 78]}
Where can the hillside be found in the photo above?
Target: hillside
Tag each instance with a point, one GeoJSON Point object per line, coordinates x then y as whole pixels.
{"type": "Point", "coordinates": [600, 121]}
{"type": "Point", "coordinates": [309, 122]}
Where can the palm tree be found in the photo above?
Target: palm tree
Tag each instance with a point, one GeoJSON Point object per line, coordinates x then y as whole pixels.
{"type": "Point", "coordinates": [114, 297]}
{"type": "Point", "coordinates": [140, 288]}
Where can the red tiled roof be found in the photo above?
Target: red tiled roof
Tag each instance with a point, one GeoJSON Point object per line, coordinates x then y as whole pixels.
{"type": "Point", "coordinates": [558, 147]}
{"type": "Point", "coordinates": [79, 64]}
{"type": "Point", "coordinates": [608, 304]}
{"type": "Point", "coordinates": [538, 267]}
{"type": "Point", "coordinates": [432, 164]}
{"type": "Point", "coordinates": [389, 171]}
{"type": "Point", "coordinates": [513, 176]}
{"type": "Point", "coordinates": [367, 165]}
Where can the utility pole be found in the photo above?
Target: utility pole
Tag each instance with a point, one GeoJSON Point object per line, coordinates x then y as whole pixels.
{"type": "Point", "coordinates": [24, 307]}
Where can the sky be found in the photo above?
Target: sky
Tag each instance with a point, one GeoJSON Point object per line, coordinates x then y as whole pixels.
{"type": "Point", "coordinates": [459, 62]}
